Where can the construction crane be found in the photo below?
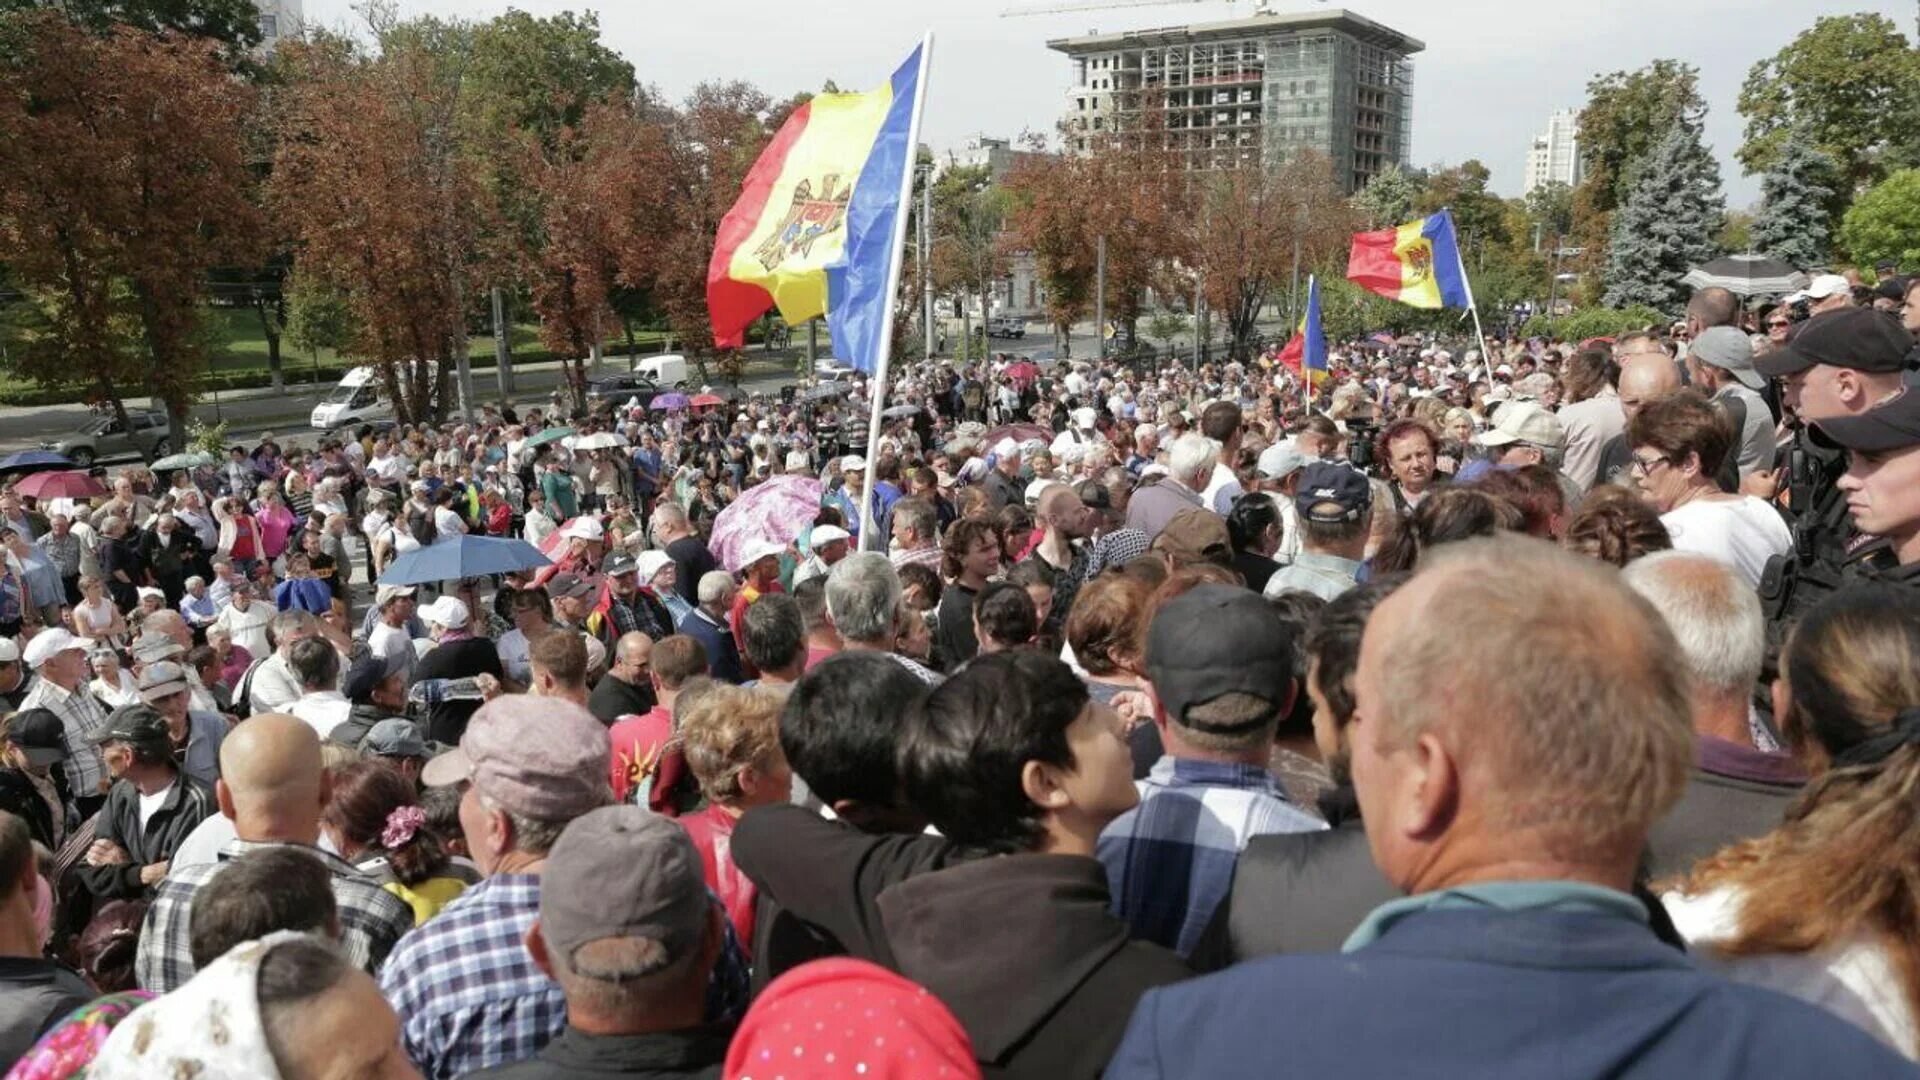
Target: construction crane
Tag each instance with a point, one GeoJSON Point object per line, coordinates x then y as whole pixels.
{"type": "Point", "coordinates": [1107, 5]}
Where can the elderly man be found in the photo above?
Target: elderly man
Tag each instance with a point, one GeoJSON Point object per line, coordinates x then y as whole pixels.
{"type": "Point", "coordinates": [829, 544]}
{"type": "Point", "coordinates": [456, 654]}
{"type": "Point", "coordinates": [1512, 810]}
{"type": "Point", "coordinates": [391, 638]}
{"type": "Point", "coordinates": [272, 684]}
{"type": "Point", "coordinates": [1720, 363]}
{"type": "Point", "coordinates": [59, 660]}
{"type": "Point", "coordinates": [626, 689]}
{"type": "Point", "coordinates": [863, 603]}
{"type": "Point", "coordinates": [1334, 504]}
{"type": "Point", "coordinates": [1190, 463]}
{"type": "Point", "coordinates": [149, 811]}
{"type": "Point", "coordinates": [674, 534]}
{"type": "Point", "coordinates": [1740, 788]}
{"type": "Point", "coordinates": [707, 624]}
{"type": "Point", "coordinates": [1002, 485]}
{"type": "Point", "coordinates": [196, 733]}
{"type": "Point", "coordinates": [197, 605]}
{"type": "Point", "coordinates": [916, 526]}
{"type": "Point", "coordinates": [1524, 433]}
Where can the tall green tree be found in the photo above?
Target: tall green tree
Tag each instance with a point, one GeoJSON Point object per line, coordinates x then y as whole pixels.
{"type": "Point", "coordinates": [1885, 222]}
{"type": "Point", "coordinates": [969, 214]}
{"type": "Point", "coordinates": [1388, 198]}
{"type": "Point", "coordinates": [1479, 216]}
{"type": "Point", "coordinates": [1673, 210]}
{"type": "Point", "coordinates": [1549, 207]}
{"type": "Point", "coordinates": [1796, 193]}
{"type": "Point", "coordinates": [234, 23]}
{"type": "Point", "coordinates": [1852, 82]}
{"type": "Point", "coordinates": [1626, 113]}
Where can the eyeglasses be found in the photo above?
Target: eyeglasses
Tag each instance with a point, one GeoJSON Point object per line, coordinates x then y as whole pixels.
{"type": "Point", "coordinates": [1646, 466]}
{"type": "Point", "coordinates": [1778, 324]}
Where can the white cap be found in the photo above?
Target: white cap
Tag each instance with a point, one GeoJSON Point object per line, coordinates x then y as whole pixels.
{"type": "Point", "coordinates": [1281, 460]}
{"type": "Point", "coordinates": [853, 463]}
{"type": "Point", "coordinates": [1035, 488]}
{"type": "Point", "coordinates": [584, 528]}
{"type": "Point", "coordinates": [827, 534]}
{"type": "Point", "coordinates": [9, 650]}
{"type": "Point", "coordinates": [447, 611]}
{"type": "Point", "coordinates": [759, 549]}
{"type": "Point", "coordinates": [650, 563]}
{"type": "Point", "coordinates": [1006, 447]}
{"type": "Point", "coordinates": [1524, 421]}
{"type": "Point", "coordinates": [386, 594]}
{"type": "Point", "coordinates": [1826, 286]}
{"type": "Point", "coordinates": [47, 643]}
{"type": "Point", "coordinates": [148, 591]}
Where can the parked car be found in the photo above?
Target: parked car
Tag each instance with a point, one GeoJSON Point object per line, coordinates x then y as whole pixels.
{"type": "Point", "coordinates": [101, 437]}
{"type": "Point", "coordinates": [667, 369]}
{"type": "Point", "coordinates": [830, 370]}
{"type": "Point", "coordinates": [616, 390]}
{"type": "Point", "coordinates": [1006, 326]}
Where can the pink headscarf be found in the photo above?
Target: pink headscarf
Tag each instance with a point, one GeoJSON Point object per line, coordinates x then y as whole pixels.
{"type": "Point", "coordinates": [849, 1018]}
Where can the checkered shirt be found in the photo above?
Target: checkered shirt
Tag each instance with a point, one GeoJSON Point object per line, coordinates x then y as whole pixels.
{"type": "Point", "coordinates": [469, 997]}
{"type": "Point", "coordinates": [372, 920]}
{"type": "Point", "coordinates": [81, 718]}
{"type": "Point", "coordinates": [1170, 860]}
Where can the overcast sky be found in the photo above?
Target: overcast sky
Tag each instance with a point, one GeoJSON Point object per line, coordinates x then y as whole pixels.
{"type": "Point", "coordinates": [1492, 72]}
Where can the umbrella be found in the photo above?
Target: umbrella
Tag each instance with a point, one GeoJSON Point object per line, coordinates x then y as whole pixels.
{"type": "Point", "coordinates": [468, 556]}
{"type": "Point", "coordinates": [1017, 432]}
{"type": "Point", "coordinates": [34, 459]}
{"type": "Point", "coordinates": [776, 510]}
{"type": "Point", "coordinates": [193, 460]}
{"type": "Point", "coordinates": [666, 401]}
{"type": "Point", "coordinates": [552, 434]}
{"type": "Point", "coordinates": [1747, 275]}
{"type": "Point", "coordinates": [826, 390]}
{"type": "Point", "coordinates": [899, 411]}
{"type": "Point", "coordinates": [1024, 371]}
{"type": "Point", "coordinates": [60, 485]}
{"type": "Point", "coordinates": [707, 401]}
{"type": "Point", "coordinates": [600, 440]}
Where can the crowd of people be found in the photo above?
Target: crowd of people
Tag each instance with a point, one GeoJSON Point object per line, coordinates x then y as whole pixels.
{"type": "Point", "coordinates": [1547, 712]}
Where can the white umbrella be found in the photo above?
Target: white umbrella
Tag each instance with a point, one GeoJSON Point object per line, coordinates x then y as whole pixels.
{"type": "Point", "coordinates": [1747, 275]}
{"type": "Point", "coordinates": [600, 440]}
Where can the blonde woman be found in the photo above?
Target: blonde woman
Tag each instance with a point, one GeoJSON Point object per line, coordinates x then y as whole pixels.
{"type": "Point", "coordinates": [1826, 907]}
{"type": "Point", "coordinates": [96, 619]}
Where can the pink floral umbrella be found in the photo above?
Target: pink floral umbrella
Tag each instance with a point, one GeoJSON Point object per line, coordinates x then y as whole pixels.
{"type": "Point", "coordinates": [777, 510]}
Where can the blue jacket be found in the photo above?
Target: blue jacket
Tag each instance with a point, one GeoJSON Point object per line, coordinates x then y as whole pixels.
{"type": "Point", "coordinates": [1489, 995]}
{"type": "Point", "coordinates": [723, 656]}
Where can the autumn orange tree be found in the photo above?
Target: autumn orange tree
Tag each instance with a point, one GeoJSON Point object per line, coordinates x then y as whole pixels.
{"type": "Point", "coordinates": [122, 182]}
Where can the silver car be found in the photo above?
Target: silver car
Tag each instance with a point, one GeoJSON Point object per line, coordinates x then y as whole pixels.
{"type": "Point", "coordinates": [102, 437]}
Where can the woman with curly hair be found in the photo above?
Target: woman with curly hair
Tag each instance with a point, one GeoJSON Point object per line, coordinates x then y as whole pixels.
{"type": "Point", "coordinates": [1826, 907]}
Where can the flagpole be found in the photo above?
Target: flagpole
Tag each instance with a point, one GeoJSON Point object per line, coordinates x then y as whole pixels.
{"type": "Point", "coordinates": [894, 264]}
{"type": "Point", "coordinates": [1486, 354]}
{"type": "Point", "coordinates": [1306, 377]}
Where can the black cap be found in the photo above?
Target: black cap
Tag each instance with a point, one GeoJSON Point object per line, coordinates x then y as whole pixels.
{"type": "Point", "coordinates": [39, 735]}
{"type": "Point", "coordinates": [1893, 288]}
{"type": "Point", "coordinates": [1859, 338]}
{"type": "Point", "coordinates": [366, 673]}
{"type": "Point", "coordinates": [1214, 640]}
{"type": "Point", "coordinates": [138, 725]}
{"type": "Point", "coordinates": [1892, 425]}
{"type": "Point", "coordinates": [1327, 485]}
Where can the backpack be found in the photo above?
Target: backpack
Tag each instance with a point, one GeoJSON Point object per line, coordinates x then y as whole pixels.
{"type": "Point", "coordinates": [420, 525]}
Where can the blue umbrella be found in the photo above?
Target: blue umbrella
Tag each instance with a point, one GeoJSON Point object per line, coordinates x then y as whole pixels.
{"type": "Point", "coordinates": [35, 459]}
{"type": "Point", "coordinates": [469, 556]}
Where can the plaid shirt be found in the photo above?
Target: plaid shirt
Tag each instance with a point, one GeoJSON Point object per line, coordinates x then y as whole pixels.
{"type": "Point", "coordinates": [469, 997]}
{"type": "Point", "coordinates": [81, 718]}
{"type": "Point", "coordinates": [372, 919]}
{"type": "Point", "coordinates": [1170, 860]}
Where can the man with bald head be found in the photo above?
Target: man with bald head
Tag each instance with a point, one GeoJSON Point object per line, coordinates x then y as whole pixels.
{"type": "Point", "coordinates": [1511, 809]}
{"type": "Point", "coordinates": [625, 690]}
{"type": "Point", "coordinates": [1647, 375]}
{"type": "Point", "coordinates": [271, 791]}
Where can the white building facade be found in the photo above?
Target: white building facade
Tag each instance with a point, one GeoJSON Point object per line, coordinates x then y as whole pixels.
{"type": "Point", "coordinates": [1555, 153]}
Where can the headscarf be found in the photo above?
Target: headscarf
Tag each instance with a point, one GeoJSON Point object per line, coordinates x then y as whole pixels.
{"type": "Point", "coordinates": [846, 1017]}
{"type": "Point", "coordinates": [68, 1048]}
{"type": "Point", "coordinates": [209, 1029]}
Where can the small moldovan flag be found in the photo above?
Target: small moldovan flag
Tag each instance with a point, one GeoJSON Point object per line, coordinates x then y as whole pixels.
{"type": "Point", "coordinates": [1417, 264]}
{"type": "Point", "coordinates": [1306, 353]}
{"type": "Point", "coordinates": [813, 229]}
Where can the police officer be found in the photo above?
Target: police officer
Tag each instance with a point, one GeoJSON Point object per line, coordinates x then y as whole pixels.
{"type": "Point", "coordinates": [1881, 484]}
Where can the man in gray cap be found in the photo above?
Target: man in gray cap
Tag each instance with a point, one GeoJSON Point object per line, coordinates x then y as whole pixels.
{"type": "Point", "coordinates": [627, 929]}
{"type": "Point", "coordinates": [196, 733]}
{"type": "Point", "coordinates": [1720, 363]}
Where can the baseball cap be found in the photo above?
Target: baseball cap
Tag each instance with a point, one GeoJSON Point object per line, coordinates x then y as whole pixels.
{"type": "Point", "coordinates": [448, 611]}
{"type": "Point", "coordinates": [1214, 640]}
{"type": "Point", "coordinates": [387, 594]}
{"type": "Point", "coordinates": [1523, 421]}
{"type": "Point", "coordinates": [538, 756]}
{"type": "Point", "coordinates": [1281, 460]}
{"type": "Point", "coordinates": [39, 735]}
{"type": "Point", "coordinates": [141, 725]}
{"type": "Point", "coordinates": [853, 463]}
{"type": "Point", "coordinates": [1826, 287]}
{"type": "Point", "coordinates": [1859, 338]}
{"type": "Point", "coordinates": [1034, 489]}
{"type": "Point", "coordinates": [46, 644]}
{"type": "Point", "coordinates": [584, 528]}
{"type": "Point", "coordinates": [153, 645]}
{"type": "Point", "coordinates": [567, 585]}
{"type": "Point", "coordinates": [619, 564]}
{"type": "Point", "coordinates": [757, 550]}
{"type": "Point", "coordinates": [624, 872]}
{"type": "Point", "coordinates": [650, 563]}
{"type": "Point", "coordinates": [161, 679]}
{"type": "Point", "coordinates": [1891, 425]}
{"type": "Point", "coordinates": [395, 737]}
{"type": "Point", "coordinates": [9, 650]}
{"type": "Point", "coordinates": [148, 592]}
{"type": "Point", "coordinates": [827, 534]}
{"type": "Point", "coordinates": [1332, 493]}
{"type": "Point", "coordinates": [1195, 534]}
{"type": "Point", "coordinates": [363, 677]}
{"type": "Point", "coordinates": [1730, 350]}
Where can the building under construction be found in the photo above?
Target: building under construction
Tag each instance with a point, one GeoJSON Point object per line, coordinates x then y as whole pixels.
{"type": "Point", "coordinates": [1252, 91]}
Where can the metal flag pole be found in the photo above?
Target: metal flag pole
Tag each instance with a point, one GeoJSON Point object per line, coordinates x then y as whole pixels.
{"type": "Point", "coordinates": [1306, 377]}
{"type": "Point", "coordinates": [1486, 354]}
{"type": "Point", "coordinates": [896, 258]}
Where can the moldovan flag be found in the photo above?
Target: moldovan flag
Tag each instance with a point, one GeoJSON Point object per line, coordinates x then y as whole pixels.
{"type": "Point", "coordinates": [1417, 264]}
{"type": "Point", "coordinates": [813, 229]}
{"type": "Point", "coordinates": [1306, 354]}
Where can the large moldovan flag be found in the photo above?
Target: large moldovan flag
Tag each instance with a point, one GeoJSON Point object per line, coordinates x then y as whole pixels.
{"type": "Point", "coordinates": [815, 225]}
{"type": "Point", "coordinates": [1417, 264]}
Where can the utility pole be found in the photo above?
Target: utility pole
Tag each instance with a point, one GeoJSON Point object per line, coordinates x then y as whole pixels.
{"type": "Point", "coordinates": [1100, 296]}
{"type": "Point", "coordinates": [502, 348]}
{"type": "Point", "coordinates": [926, 260]}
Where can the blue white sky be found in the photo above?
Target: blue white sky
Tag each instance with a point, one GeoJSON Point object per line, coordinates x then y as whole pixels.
{"type": "Point", "coordinates": [1492, 72]}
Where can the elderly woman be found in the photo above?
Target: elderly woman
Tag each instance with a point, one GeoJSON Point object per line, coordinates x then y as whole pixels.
{"type": "Point", "coordinates": [1678, 444]}
{"type": "Point", "coordinates": [234, 660]}
{"type": "Point", "coordinates": [112, 685]}
{"type": "Point", "coordinates": [658, 576]}
{"type": "Point", "coordinates": [240, 538]}
{"type": "Point", "coordinates": [120, 562]}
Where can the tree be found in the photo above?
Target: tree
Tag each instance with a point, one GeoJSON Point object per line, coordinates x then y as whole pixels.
{"type": "Point", "coordinates": [1625, 115]}
{"type": "Point", "coordinates": [1479, 216]}
{"type": "Point", "coordinates": [1884, 223]}
{"type": "Point", "coordinates": [1549, 207]}
{"type": "Point", "coordinates": [122, 185]}
{"type": "Point", "coordinates": [1795, 194]}
{"type": "Point", "coordinates": [1250, 226]}
{"type": "Point", "coordinates": [317, 316]}
{"type": "Point", "coordinates": [1047, 218]}
{"type": "Point", "coordinates": [1852, 83]}
{"type": "Point", "coordinates": [233, 23]}
{"type": "Point", "coordinates": [1667, 224]}
{"type": "Point", "coordinates": [969, 215]}
{"type": "Point", "coordinates": [1387, 200]}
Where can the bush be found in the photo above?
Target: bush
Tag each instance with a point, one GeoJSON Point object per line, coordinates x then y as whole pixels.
{"type": "Point", "coordinates": [1594, 322]}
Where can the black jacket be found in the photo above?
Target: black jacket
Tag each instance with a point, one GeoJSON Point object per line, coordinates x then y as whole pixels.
{"type": "Point", "coordinates": [1027, 953]}
{"type": "Point", "coordinates": [34, 994]}
{"type": "Point", "coordinates": [188, 803]}
{"type": "Point", "coordinates": [1298, 892]}
{"type": "Point", "coordinates": [613, 698]}
{"type": "Point", "coordinates": [820, 883]}
{"type": "Point", "coordinates": [667, 1055]}
{"type": "Point", "coordinates": [462, 659]}
{"type": "Point", "coordinates": [360, 720]}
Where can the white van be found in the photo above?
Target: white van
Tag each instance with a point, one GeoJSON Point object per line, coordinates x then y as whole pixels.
{"type": "Point", "coordinates": [359, 397]}
{"type": "Point", "coordinates": [668, 370]}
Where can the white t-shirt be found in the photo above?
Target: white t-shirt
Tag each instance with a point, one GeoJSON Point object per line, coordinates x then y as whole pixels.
{"type": "Point", "coordinates": [1854, 979]}
{"type": "Point", "coordinates": [447, 525]}
{"type": "Point", "coordinates": [1743, 532]}
{"type": "Point", "coordinates": [322, 711]}
{"type": "Point", "coordinates": [392, 644]}
{"type": "Point", "coordinates": [248, 628]}
{"type": "Point", "coordinates": [516, 657]}
{"type": "Point", "coordinates": [150, 804]}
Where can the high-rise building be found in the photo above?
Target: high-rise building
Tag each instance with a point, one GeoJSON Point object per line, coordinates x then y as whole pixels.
{"type": "Point", "coordinates": [278, 19]}
{"type": "Point", "coordinates": [1253, 90]}
{"type": "Point", "coordinates": [1555, 154]}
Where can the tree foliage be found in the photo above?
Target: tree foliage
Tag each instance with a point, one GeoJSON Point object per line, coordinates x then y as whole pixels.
{"type": "Point", "coordinates": [1667, 224]}
{"type": "Point", "coordinates": [1550, 207]}
{"type": "Point", "coordinates": [1246, 229]}
{"type": "Point", "coordinates": [1479, 216]}
{"type": "Point", "coordinates": [1387, 199]}
{"type": "Point", "coordinates": [235, 24]}
{"type": "Point", "coordinates": [969, 215]}
{"type": "Point", "coordinates": [1852, 83]}
{"type": "Point", "coordinates": [1884, 223]}
{"type": "Point", "coordinates": [1625, 114]}
{"type": "Point", "coordinates": [1796, 193]}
